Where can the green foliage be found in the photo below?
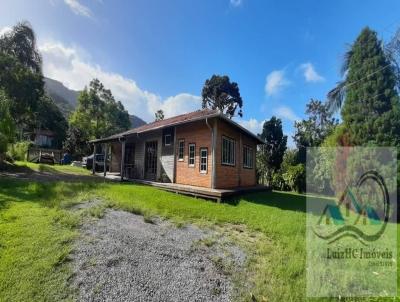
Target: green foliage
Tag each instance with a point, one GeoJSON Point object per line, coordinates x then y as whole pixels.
{"type": "Point", "coordinates": [23, 87]}
{"type": "Point", "coordinates": [222, 94]}
{"type": "Point", "coordinates": [159, 115]}
{"type": "Point", "coordinates": [370, 109]}
{"type": "Point", "coordinates": [21, 76]}
{"type": "Point", "coordinates": [7, 127]}
{"type": "Point", "coordinates": [50, 117]}
{"type": "Point", "coordinates": [77, 141]}
{"type": "Point", "coordinates": [22, 81]}
{"type": "Point", "coordinates": [19, 150]}
{"type": "Point", "coordinates": [3, 146]}
{"type": "Point", "coordinates": [313, 131]}
{"type": "Point", "coordinates": [20, 43]}
{"type": "Point", "coordinates": [98, 115]}
{"type": "Point", "coordinates": [270, 155]}
{"type": "Point", "coordinates": [295, 178]}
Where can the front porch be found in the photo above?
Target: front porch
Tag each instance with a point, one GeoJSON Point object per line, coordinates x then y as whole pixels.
{"type": "Point", "coordinates": [202, 192]}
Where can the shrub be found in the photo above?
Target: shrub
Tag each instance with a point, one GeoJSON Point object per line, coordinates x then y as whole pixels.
{"type": "Point", "coordinates": [19, 150]}
{"type": "Point", "coordinates": [278, 183]}
{"type": "Point", "coordinates": [7, 127]}
{"type": "Point", "coordinates": [294, 178]}
{"type": "Point", "coordinates": [3, 143]}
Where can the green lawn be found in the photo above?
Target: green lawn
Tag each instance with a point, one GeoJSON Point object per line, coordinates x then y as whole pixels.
{"type": "Point", "coordinates": [37, 229]}
{"type": "Point", "coordinates": [51, 168]}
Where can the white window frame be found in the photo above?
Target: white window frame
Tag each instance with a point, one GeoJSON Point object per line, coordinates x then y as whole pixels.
{"type": "Point", "coordinates": [165, 139]}
{"type": "Point", "coordinates": [181, 141]}
{"type": "Point", "coordinates": [194, 155]}
{"type": "Point", "coordinates": [225, 153]}
{"type": "Point", "coordinates": [248, 157]}
{"type": "Point", "coordinates": [202, 171]}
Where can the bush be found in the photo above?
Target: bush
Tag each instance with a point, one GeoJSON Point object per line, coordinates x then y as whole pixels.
{"type": "Point", "coordinates": [295, 178]}
{"type": "Point", "coordinates": [19, 150]}
{"type": "Point", "coordinates": [278, 183]}
{"type": "Point", "coordinates": [3, 143]}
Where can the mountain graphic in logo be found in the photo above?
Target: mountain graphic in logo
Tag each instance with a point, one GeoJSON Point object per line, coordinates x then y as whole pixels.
{"type": "Point", "coordinates": [363, 213]}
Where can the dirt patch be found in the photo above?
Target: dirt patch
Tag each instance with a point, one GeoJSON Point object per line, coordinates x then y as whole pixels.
{"type": "Point", "coordinates": [121, 257]}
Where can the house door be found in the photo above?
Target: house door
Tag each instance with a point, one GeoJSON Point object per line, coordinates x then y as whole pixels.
{"type": "Point", "coordinates": [130, 160]}
{"type": "Point", "coordinates": [150, 161]}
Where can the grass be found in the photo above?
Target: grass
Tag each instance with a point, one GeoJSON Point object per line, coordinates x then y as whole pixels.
{"type": "Point", "coordinates": [36, 235]}
{"type": "Point", "coordinates": [28, 167]}
{"type": "Point", "coordinates": [37, 229]}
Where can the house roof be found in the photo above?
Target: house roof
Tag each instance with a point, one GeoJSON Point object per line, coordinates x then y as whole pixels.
{"type": "Point", "coordinates": [177, 120]}
{"type": "Point", "coordinates": [44, 132]}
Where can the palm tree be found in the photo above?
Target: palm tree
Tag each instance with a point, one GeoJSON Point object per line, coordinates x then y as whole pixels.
{"type": "Point", "coordinates": [20, 43]}
{"type": "Point", "coordinates": [336, 96]}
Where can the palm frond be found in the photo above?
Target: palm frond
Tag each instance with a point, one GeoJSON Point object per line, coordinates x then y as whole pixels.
{"type": "Point", "coordinates": [336, 96]}
{"type": "Point", "coordinates": [346, 61]}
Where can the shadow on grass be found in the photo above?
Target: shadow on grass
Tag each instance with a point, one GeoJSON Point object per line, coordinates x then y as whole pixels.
{"type": "Point", "coordinates": [11, 167]}
{"type": "Point", "coordinates": [46, 193]}
{"type": "Point", "coordinates": [44, 172]}
{"type": "Point", "coordinates": [289, 201]}
{"type": "Point", "coordinates": [283, 200]}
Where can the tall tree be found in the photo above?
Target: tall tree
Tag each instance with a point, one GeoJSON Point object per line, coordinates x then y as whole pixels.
{"type": "Point", "coordinates": [270, 155]}
{"type": "Point", "coordinates": [98, 114]}
{"type": "Point", "coordinates": [49, 117]}
{"type": "Point", "coordinates": [368, 96]}
{"type": "Point", "coordinates": [159, 115]}
{"type": "Point", "coordinates": [21, 77]}
{"type": "Point", "coordinates": [311, 132]}
{"type": "Point", "coordinates": [222, 94]}
{"type": "Point", "coordinates": [7, 127]}
{"type": "Point", "coordinates": [20, 43]}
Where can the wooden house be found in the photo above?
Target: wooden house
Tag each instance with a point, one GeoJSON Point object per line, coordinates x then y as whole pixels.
{"type": "Point", "coordinates": [204, 148]}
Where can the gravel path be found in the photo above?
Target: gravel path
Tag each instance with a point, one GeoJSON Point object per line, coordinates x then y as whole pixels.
{"type": "Point", "coordinates": [123, 258]}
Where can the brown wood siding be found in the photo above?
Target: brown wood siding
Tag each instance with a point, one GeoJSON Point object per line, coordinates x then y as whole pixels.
{"type": "Point", "coordinates": [115, 165]}
{"type": "Point", "coordinates": [199, 134]}
{"type": "Point", "coordinates": [236, 175]}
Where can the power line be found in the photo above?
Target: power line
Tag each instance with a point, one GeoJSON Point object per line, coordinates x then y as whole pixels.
{"type": "Point", "coordinates": [368, 75]}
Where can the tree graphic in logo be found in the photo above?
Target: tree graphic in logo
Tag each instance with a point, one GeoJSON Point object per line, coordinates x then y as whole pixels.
{"type": "Point", "coordinates": [351, 212]}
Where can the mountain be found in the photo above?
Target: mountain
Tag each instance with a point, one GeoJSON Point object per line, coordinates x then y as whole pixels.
{"type": "Point", "coordinates": [67, 99]}
{"type": "Point", "coordinates": [136, 121]}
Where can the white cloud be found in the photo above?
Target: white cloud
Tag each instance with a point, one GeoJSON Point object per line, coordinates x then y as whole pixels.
{"type": "Point", "coordinates": [275, 82]}
{"type": "Point", "coordinates": [68, 65]}
{"type": "Point", "coordinates": [5, 30]}
{"type": "Point", "coordinates": [310, 74]}
{"type": "Point", "coordinates": [78, 8]}
{"type": "Point", "coordinates": [236, 3]}
{"type": "Point", "coordinates": [286, 113]}
{"type": "Point", "coordinates": [252, 124]}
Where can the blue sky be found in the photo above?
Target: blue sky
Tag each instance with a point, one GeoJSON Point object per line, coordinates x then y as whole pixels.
{"type": "Point", "coordinates": [157, 54]}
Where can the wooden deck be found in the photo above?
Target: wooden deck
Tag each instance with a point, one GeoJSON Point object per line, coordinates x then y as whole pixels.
{"type": "Point", "coordinates": [208, 193]}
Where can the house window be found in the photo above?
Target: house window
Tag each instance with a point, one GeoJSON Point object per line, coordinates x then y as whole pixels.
{"type": "Point", "coordinates": [247, 157]}
{"type": "Point", "coordinates": [167, 139]}
{"type": "Point", "coordinates": [203, 160]}
{"type": "Point", "coordinates": [181, 149]}
{"type": "Point", "coordinates": [228, 151]}
{"type": "Point", "coordinates": [192, 154]}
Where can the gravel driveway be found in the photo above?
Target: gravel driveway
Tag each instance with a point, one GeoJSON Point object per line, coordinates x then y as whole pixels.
{"type": "Point", "coordinates": [123, 258]}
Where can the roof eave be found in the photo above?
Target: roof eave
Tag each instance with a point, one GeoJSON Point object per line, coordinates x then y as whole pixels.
{"type": "Point", "coordinates": [248, 132]}
{"type": "Point", "coordinates": [125, 134]}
